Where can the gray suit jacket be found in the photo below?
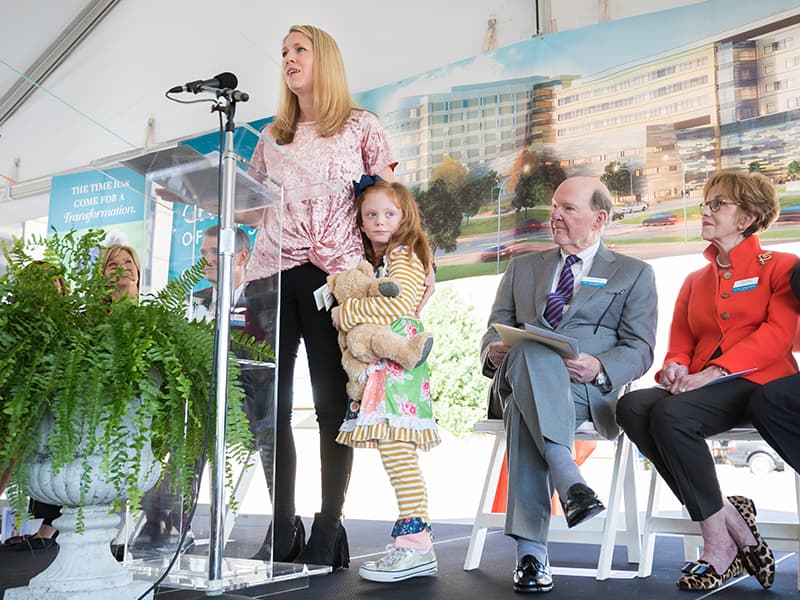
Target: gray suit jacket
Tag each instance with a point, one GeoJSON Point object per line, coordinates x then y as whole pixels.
{"type": "Point", "coordinates": [615, 323]}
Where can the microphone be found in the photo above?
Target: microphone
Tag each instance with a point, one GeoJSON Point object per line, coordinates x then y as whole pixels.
{"type": "Point", "coordinates": [219, 82]}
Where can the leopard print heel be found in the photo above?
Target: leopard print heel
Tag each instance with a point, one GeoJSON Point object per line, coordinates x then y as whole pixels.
{"type": "Point", "coordinates": [759, 559]}
{"type": "Point", "coordinates": [700, 575]}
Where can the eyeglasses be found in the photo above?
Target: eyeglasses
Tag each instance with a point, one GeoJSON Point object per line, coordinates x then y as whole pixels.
{"type": "Point", "coordinates": [716, 203]}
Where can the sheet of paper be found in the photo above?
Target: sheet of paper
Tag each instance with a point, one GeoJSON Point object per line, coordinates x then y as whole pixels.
{"type": "Point", "coordinates": [730, 376]}
{"type": "Point", "coordinates": [323, 297]}
{"type": "Point", "coordinates": [564, 345]}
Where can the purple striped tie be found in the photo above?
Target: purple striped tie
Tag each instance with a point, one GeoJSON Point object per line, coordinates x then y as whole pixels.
{"type": "Point", "coordinates": [556, 301]}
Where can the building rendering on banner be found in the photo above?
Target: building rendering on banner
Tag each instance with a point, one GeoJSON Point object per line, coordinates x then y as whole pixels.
{"type": "Point", "coordinates": [477, 125]}
{"type": "Point", "coordinates": [671, 119]}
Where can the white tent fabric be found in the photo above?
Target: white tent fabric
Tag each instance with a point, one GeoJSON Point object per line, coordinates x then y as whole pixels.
{"type": "Point", "coordinates": [107, 95]}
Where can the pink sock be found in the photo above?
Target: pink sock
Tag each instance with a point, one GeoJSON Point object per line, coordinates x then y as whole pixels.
{"type": "Point", "coordinates": [416, 541]}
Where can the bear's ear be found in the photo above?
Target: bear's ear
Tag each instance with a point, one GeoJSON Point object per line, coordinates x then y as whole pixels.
{"type": "Point", "coordinates": [331, 282]}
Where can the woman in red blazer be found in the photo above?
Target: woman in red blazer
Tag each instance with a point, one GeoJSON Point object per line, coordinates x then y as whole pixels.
{"type": "Point", "coordinates": [737, 315]}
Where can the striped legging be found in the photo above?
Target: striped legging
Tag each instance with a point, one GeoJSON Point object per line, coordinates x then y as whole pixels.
{"type": "Point", "coordinates": [402, 466]}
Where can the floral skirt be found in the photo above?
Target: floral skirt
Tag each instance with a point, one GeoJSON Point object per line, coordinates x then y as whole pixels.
{"type": "Point", "coordinates": [395, 405]}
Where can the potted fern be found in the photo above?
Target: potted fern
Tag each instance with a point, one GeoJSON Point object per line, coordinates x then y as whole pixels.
{"type": "Point", "coordinates": [100, 391]}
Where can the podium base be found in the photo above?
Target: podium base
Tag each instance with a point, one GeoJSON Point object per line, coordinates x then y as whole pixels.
{"type": "Point", "coordinates": [222, 596]}
{"type": "Point", "coordinates": [191, 572]}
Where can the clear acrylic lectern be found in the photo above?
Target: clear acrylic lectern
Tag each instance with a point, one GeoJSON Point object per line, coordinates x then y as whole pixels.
{"type": "Point", "coordinates": [182, 189]}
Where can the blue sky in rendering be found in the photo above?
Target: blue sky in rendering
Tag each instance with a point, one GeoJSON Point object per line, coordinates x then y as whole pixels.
{"type": "Point", "coordinates": [588, 50]}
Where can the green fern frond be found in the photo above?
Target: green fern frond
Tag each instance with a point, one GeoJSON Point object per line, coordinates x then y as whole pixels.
{"type": "Point", "coordinates": [83, 361]}
{"type": "Point", "coordinates": [173, 295]}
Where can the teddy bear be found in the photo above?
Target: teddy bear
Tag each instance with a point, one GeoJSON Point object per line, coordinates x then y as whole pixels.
{"type": "Point", "coordinates": [368, 342]}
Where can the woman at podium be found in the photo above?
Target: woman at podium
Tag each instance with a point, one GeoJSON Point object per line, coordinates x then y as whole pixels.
{"type": "Point", "coordinates": [318, 132]}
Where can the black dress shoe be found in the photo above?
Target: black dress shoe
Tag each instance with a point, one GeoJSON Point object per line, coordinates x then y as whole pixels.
{"type": "Point", "coordinates": [581, 504]}
{"type": "Point", "coordinates": [36, 543]}
{"type": "Point", "coordinates": [532, 576]}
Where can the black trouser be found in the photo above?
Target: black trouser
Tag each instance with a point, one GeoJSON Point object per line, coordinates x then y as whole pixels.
{"type": "Point", "coordinates": [42, 510]}
{"type": "Point", "coordinates": [299, 318]}
{"type": "Point", "coordinates": [774, 409]}
{"type": "Point", "coordinates": [671, 431]}
{"type": "Point", "coordinates": [162, 503]}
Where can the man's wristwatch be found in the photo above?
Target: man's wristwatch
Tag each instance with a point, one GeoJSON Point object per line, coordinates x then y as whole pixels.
{"type": "Point", "coordinates": [601, 379]}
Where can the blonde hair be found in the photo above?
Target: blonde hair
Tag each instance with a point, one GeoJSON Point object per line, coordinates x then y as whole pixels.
{"type": "Point", "coordinates": [113, 251]}
{"type": "Point", "coordinates": [332, 101]}
{"type": "Point", "coordinates": [754, 193]}
{"type": "Point", "coordinates": [410, 233]}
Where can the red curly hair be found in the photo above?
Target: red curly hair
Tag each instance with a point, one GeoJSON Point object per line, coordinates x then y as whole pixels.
{"type": "Point", "coordinates": [411, 232]}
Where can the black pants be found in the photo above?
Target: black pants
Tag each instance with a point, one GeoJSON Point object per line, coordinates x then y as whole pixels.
{"type": "Point", "coordinates": [774, 409]}
{"type": "Point", "coordinates": [42, 510]}
{"type": "Point", "coordinates": [163, 505]}
{"type": "Point", "coordinates": [671, 431]}
{"type": "Point", "coordinates": [299, 318]}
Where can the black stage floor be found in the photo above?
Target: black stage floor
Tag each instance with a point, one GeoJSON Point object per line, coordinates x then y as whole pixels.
{"type": "Point", "coordinates": [491, 580]}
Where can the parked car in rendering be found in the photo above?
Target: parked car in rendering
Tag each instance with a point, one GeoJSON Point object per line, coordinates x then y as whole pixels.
{"type": "Point", "coordinates": [530, 226]}
{"type": "Point", "coordinates": [617, 216]}
{"type": "Point", "coordinates": [492, 253]}
{"type": "Point", "coordinates": [660, 219]}
{"type": "Point", "coordinates": [633, 207]}
{"type": "Point", "coordinates": [518, 248]}
{"type": "Point", "coordinates": [789, 214]}
{"type": "Point", "coordinates": [756, 454]}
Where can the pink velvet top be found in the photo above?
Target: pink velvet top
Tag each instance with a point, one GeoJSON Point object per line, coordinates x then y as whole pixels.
{"type": "Point", "coordinates": [318, 226]}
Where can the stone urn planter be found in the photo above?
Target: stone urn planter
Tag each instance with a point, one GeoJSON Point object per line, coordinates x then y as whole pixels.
{"type": "Point", "coordinates": [78, 372]}
{"type": "Point", "coordinates": [84, 568]}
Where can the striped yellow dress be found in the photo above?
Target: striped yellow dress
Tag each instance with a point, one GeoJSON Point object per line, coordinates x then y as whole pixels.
{"type": "Point", "coordinates": [397, 403]}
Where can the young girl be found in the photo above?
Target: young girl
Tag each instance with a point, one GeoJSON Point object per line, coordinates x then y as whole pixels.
{"type": "Point", "coordinates": [395, 414]}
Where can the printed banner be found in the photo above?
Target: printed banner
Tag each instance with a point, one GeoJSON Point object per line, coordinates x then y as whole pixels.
{"type": "Point", "coordinates": [109, 200]}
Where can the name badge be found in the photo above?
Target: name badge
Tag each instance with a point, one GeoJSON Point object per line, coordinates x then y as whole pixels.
{"type": "Point", "coordinates": [323, 297]}
{"type": "Point", "coordinates": [745, 284]}
{"type": "Point", "coordinates": [598, 282]}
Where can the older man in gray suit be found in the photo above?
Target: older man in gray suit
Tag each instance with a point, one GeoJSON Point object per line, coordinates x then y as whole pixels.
{"type": "Point", "coordinates": [607, 302]}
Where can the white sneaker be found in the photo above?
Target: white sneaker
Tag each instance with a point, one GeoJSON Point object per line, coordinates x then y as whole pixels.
{"type": "Point", "coordinates": [400, 564]}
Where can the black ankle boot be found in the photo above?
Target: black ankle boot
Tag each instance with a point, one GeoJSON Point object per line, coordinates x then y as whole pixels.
{"type": "Point", "coordinates": [289, 541]}
{"type": "Point", "coordinates": [327, 544]}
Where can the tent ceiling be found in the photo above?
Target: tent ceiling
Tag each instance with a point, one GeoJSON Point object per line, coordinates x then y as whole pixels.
{"type": "Point", "coordinates": [111, 61]}
{"type": "Point", "coordinates": [40, 52]}
{"type": "Point", "coordinates": [107, 64]}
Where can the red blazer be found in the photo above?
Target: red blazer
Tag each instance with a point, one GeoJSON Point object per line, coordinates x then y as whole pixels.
{"type": "Point", "coordinates": [749, 312]}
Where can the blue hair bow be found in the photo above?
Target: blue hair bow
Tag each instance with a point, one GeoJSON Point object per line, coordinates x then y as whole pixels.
{"type": "Point", "coordinates": [367, 181]}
